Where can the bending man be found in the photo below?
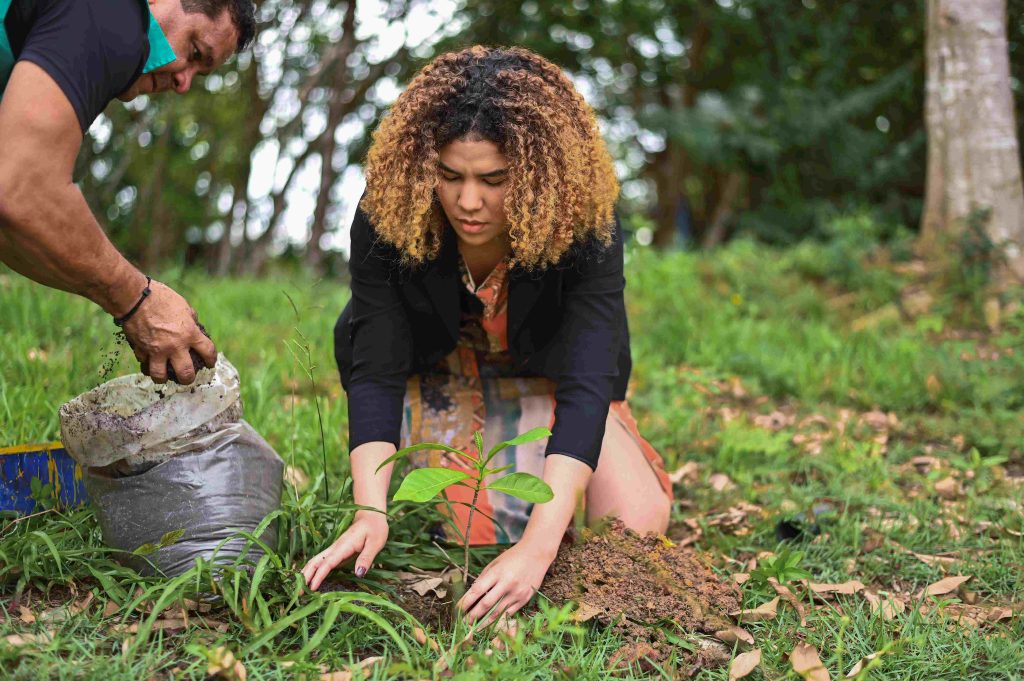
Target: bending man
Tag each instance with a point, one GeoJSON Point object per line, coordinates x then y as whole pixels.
{"type": "Point", "coordinates": [61, 63]}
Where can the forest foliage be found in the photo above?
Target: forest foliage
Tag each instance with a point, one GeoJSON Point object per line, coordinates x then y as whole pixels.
{"type": "Point", "coordinates": [759, 117]}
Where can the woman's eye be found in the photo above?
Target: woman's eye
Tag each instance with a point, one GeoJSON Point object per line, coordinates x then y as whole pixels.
{"type": "Point", "coordinates": [196, 54]}
{"type": "Point", "coordinates": [495, 183]}
{"type": "Point", "coordinates": [449, 178]}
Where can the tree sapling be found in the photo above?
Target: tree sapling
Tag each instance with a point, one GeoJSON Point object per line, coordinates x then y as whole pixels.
{"type": "Point", "coordinates": [423, 484]}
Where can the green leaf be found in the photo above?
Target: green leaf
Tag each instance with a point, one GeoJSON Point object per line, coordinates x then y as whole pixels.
{"type": "Point", "coordinates": [423, 484]}
{"type": "Point", "coordinates": [523, 486]}
{"type": "Point", "coordinates": [405, 451]}
{"type": "Point", "coordinates": [478, 440]}
{"type": "Point", "coordinates": [171, 537]}
{"type": "Point", "coordinates": [145, 549]}
{"type": "Point", "coordinates": [528, 436]}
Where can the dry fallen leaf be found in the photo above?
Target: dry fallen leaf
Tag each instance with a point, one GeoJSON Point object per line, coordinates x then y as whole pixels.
{"type": "Point", "coordinates": [776, 421]}
{"type": "Point", "coordinates": [348, 674]}
{"type": "Point", "coordinates": [790, 598]}
{"type": "Point", "coordinates": [860, 665]}
{"type": "Point", "coordinates": [948, 488]}
{"type": "Point", "coordinates": [215, 625]}
{"type": "Point", "coordinates": [163, 624]}
{"type": "Point", "coordinates": [18, 640]}
{"type": "Point", "coordinates": [741, 578]}
{"type": "Point", "coordinates": [807, 664]}
{"type": "Point", "coordinates": [424, 640]}
{"type": "Point", "coordinates": [999, 613]}
{"type": "Point", "coordinates": [631, 654]}
{"type": "Point", "coordinates": [196, 606]}
{"type": "Point", "coordinates": [586, 612]}
{"type": "Point", "coordinates": [945, 586]}
{"type": "Point", "coordinates": [82, 605]}
{"type": "Point", "coordinates": [744, 663]}
{"type": "Point", "coordinates": [848, 588]}
{"type": "Point", "coordinates": [767, 611]}
{"type": "Point", "coordinates": [25, 615]}
{"type": "Point", "coordinates": [720, 482]}
{"type": "Point", "coordinates": [735, 635]}
{"type": "Point", "coordinates": [111, 609]}
{"type": "Point", "coordinates": [935, 560]}
{"type": "Point", "coordinates": [888, 604]}
{"type": "Point", "coordinates": [685, 473]}
{"type": "Point", "coordinates": [507, 629]}
{"type": "Point", "coordinates": [434, 584]}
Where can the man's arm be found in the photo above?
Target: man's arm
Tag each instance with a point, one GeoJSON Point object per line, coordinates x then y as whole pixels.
{"type": "Point", "coordinates": [48, 233]}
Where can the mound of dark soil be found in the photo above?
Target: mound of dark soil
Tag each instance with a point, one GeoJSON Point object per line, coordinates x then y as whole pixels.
{"type": "Point", "coordinates": [634, 582]}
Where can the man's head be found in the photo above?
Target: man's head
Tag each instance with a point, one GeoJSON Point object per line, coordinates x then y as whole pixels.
{"type": "Point", "coordinates": [203, 34]}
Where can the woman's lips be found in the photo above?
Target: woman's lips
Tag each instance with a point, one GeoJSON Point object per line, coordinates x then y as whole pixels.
{"type": "Point", "coordinates": [473, 227]}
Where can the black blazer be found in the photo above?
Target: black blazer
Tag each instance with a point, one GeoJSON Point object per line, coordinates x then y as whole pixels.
{"type": "Point", "coordinates": [567, 323]}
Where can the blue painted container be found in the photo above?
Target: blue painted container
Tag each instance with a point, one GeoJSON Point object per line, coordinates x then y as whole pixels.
{"type": "Point", "coordinates": [51, 464]}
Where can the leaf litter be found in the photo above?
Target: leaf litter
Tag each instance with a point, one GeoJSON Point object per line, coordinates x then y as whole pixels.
{"type": "Point", "coordinates": [806, 663]}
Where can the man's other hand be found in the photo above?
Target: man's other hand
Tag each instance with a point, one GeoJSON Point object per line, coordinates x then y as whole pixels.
{"type": "Point", "coordinates": [162, 332]}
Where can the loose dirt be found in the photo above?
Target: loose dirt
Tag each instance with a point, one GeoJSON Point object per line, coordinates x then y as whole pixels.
{"type": "Point", "coordinates": [643, 586]}
{"type": "Point", "coordinates": [632, 582]}
{"type": "Point", "coordinates": [640, 586]}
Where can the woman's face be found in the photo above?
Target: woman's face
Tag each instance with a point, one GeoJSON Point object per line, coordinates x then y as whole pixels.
{"type": "Point", "coordinates": [471, 187]}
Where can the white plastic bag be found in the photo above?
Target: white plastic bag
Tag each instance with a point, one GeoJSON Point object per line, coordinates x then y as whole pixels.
{"type": "Point", "coordinates": [134, 420]}
{"type": "Point", "coordinates": [159, 459]}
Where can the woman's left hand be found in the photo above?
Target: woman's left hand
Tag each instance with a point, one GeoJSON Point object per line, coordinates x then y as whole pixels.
{"type": "Point", "coordinates": [508, 583]}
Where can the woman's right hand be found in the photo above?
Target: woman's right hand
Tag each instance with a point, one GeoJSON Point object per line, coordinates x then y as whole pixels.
{"type": "Point", "coordinates": [366, 536]}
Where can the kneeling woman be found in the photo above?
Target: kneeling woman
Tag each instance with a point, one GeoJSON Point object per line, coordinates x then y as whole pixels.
{"type": "Point", "coordinates": [487, 295]}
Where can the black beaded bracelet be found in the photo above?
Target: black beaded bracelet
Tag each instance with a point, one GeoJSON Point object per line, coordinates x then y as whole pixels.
{"type": "Point", "coordinates": [145, 294]}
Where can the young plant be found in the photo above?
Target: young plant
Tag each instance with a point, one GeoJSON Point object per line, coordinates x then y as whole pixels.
{"type": "Point", "coordinates": [424, 484]}
{"type": "Point", "coordinates": [784, 567]}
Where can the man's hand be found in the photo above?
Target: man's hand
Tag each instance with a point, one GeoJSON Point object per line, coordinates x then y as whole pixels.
{"type": "Point", "coordinates": [163, 330]}
{"type": "Point", "coordinates": [508, 583]}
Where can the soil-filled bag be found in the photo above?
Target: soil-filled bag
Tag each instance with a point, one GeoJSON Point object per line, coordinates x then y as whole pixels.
{"type": "Point", "coordinates": [162, 459]}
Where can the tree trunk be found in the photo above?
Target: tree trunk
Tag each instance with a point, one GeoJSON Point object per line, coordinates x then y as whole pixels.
{"type": "Point", "coordinates": [672, 166]}
{"type": "Point", "coordinates": [725, 210]}
{"type": "Point", "coordinates": [973, 153]}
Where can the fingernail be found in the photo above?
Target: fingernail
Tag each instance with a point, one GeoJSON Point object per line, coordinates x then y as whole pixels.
{"type": "Point", "coordinates": [360, 571]}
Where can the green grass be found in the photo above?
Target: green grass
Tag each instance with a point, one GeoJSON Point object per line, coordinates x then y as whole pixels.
{"type": "Point", "coordinates": [776, 323]}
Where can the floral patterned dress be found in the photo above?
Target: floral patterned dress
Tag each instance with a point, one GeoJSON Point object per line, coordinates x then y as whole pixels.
{"type": "Point", "coordinates": [475, 388]}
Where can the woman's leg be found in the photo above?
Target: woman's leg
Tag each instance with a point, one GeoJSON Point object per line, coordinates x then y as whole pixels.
{"type": "Point", "coordinates": [625, 484]}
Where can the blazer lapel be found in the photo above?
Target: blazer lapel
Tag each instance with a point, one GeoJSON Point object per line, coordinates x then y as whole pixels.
{"type": "Point", "coordinates": [524, 290]}
{"type": "Point", "coordinates": [442, 283]}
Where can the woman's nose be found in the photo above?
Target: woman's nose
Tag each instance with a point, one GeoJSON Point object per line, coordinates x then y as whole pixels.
{"type": "Point", "coordinates": [470, 198]}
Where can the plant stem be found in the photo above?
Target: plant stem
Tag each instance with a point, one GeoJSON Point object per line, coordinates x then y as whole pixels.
{"type": "Point", "coordinates": [469, 526]}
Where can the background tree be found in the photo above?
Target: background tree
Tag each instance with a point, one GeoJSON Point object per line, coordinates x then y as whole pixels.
{"type": "Point", "coordinates": [755, 115]}
{"type": "Point", "coordinates": [760, 117]}
{"type": "Point", "coordinates": [974, 165]}
{"type": "Point", "coordinates": [219, 170]}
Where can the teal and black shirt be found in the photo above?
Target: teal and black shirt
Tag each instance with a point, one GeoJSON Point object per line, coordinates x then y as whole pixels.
{"type": "Point", "coordinates": [93, 49]}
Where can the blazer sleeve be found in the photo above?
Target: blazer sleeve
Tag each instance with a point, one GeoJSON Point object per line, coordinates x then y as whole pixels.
{"type": "Point", "coordinates": [381, 340]}
{"type": "Point", "coordinates": [589, 337]}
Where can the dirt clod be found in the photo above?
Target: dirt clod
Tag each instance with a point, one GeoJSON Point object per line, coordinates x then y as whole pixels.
{"type": "Point", "coordinates": [636, 581]}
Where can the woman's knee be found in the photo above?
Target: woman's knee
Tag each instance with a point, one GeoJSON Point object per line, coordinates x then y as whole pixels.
{"type": "Point", "coordinates": [652, 516]}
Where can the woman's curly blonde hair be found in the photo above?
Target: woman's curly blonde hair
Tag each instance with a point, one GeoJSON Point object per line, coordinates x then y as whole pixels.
{"type": "Point", "coordinates": [562, 186]}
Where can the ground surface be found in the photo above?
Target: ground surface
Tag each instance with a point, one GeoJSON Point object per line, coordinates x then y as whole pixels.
{"type": "Point", "coordinates": [863, 411]}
